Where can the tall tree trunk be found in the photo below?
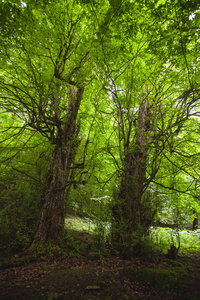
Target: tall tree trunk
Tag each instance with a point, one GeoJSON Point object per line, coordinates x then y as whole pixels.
{"type": "Point", "coordinates": [195, 221]}
{"type": "Point", "coordinates": [128, 212]}
{"type": "Point", "coordinates": [51, 225]}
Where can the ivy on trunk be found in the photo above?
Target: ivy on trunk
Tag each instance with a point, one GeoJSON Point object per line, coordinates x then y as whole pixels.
{"type": "Point", "coordinates": [128, 211]}
{"type": "Point", "coordinates": [53, 213]}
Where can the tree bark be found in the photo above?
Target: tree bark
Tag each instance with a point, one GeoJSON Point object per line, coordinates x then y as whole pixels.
{"type": "Point", "coordinates": [195, 222]}
{"type": "Point", "coordinates": [127, 211]}
{"type": "Point", "coordinates": [51, 225]}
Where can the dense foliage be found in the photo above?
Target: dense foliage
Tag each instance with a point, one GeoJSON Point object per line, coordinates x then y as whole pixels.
{"type": "Point", "coordinates": [99, 117]}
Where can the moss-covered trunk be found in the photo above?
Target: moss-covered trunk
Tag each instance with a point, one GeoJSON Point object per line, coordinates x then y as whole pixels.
{"type": "Point", "coordinates": [128, 210]}
{"type": "Point", "coordinates": [51, 225]}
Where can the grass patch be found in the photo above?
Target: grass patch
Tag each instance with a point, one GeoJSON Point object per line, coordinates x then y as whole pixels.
{"type": "Point", "coordinates": [80, 224]}
{"type": "Point", "coordinates": [162, 238]}
{"type": "Point", "coordinates": [88, 225]}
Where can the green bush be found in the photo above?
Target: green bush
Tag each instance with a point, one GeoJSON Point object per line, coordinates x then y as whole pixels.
{"type": "Point", "coordinates": [20, 203]}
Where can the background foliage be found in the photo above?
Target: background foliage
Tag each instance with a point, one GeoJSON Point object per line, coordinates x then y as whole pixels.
{"type": "Point", "coordinates": [121, 52]}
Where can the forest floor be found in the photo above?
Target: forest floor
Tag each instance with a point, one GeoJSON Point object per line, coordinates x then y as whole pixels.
{"type": "Point", "coordinates": [84, 277]}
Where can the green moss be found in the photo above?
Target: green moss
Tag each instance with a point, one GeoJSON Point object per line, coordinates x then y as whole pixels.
{"type": "Point", "coordinates": [160, 278]}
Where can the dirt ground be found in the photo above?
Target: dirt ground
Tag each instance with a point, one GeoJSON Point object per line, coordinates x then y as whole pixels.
{"type": "Point", "coordinates": [108, 278]}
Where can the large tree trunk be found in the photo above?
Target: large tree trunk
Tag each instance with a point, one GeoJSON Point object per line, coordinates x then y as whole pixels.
{"type": "Point", "coordinates": [128, 211]}
{"type": "Point", "coordinates": [51, 225]}
{"type": "Point", "coordinates": [195, 221]}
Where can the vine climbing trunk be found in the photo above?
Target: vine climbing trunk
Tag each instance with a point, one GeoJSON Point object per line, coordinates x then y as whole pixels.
{"type": "Point", "coordinates": [51, 225]}
{"type": "Point", "coordinates": [128, 209]}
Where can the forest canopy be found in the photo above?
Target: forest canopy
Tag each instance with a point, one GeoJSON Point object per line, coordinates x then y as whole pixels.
{"type": "Point", "coordinates": [99, 117]}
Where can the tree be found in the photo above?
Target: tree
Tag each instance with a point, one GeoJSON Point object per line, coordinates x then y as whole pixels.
{"type": "Point", "coordinates": [44, 69]}
{"type": "Point", "coordinates": [147, 121]}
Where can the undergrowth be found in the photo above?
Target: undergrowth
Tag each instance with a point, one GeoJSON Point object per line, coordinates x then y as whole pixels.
{"type": "Point", "coordinates": [159, 238]}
